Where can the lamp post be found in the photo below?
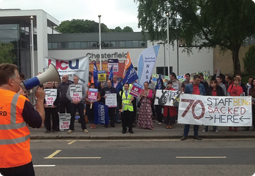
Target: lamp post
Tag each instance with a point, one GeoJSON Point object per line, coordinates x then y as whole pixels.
{"type": "Point", "coordinates": [168, 43]}
{"type": "Point", "coordinates": [163, 43]}
{"type": "Point", "coordinates": [100, 60]}
{"type": "Point", "coordinates": [32, 46]}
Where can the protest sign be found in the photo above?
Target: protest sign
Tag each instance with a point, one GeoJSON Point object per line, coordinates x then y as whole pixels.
{"type": "Point", "coordinates": [166, 98]}
{"type": "Point", "coordinates": [76, 91]}
{"type": "Point", "coordinates": [114, 63]}
{"type": "Point", "coordinates": [215, 111]}
{"type": "Point", "coordinates": [136, 89]}
{"type": "Point", "coordinates": [64, 121]}
{"type": "Point", "coordinates": [78, 67]}
{"type": "Point", "coordinates": [155, 77]}
{"type": "Point", "coordinates": [92, 94]}
{"type": "Point", "coordinates": [101, 114]}
{"type": "Point", "coordinates": [111, 100]}
{"type": "Point", "coordinates": [101, 76]}
{"type": "Point", "coordinates": [50, 96]}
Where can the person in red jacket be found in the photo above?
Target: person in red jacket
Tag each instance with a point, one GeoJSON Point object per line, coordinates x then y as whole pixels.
{"type": "Point", "coordinates": [170, 111]}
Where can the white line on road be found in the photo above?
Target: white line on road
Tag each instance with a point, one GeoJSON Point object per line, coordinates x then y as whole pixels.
{"type": "Point", "coordinates": [74, 158]}
{"type": "Point", "coordinates": [44, 165]}
{"type": "Point", "coordinates": [72, 142]}
{"type": "Point", "coordinates": [201, 157]}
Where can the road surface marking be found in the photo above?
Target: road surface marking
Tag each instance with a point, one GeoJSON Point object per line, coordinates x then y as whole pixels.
{"type": "Point", "coordinates": [201, 157]}
{"type": "Point", "coordinates": [74, 158]}
{"type": "Point", "coordinates": [72, 142]}
{"type": "Point", "coordinates": [53, 154]}
{"type": "Point", "coordinates": [44, 165]}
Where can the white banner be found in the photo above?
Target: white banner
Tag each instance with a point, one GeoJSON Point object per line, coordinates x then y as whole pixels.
{"type": "Point", "coordinates": [50, 96]}
{"type": "Point", "coordinates": [111, 100]}
{"type": "Point", "coordinates": [166, 97]}
{"type": "Point", "coordinates": [215, 111]}
{"type": "Point", "coordinates": [76, 91]}
{"type": "Point", "coordinates": [64, 121]}
{"type": "Point", "coordinates": [77, 66]}
{"type": "Point", "coordinates": [146, 63]}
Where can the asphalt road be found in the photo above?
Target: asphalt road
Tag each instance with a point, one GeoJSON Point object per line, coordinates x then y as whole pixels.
{"type": "Point", "coordinates": [144, 157]}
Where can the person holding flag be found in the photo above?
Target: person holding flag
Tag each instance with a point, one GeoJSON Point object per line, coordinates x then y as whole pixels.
{"type": "Point", "coordinates": [159, 86]}
{"type": "Point", "coordinates": [95, 75]}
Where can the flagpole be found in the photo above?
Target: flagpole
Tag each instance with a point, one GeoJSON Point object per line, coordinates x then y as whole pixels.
{"type": "Point", "coordinates": [100, 60]}
{"type": "Point", "coordinates": [168, 43]}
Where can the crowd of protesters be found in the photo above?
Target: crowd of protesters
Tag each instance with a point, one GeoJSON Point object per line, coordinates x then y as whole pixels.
{"type": "Point", "coordinates": [125, 112]}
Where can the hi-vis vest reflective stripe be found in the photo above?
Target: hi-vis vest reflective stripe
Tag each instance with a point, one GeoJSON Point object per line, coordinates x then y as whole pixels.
{"type": "Point", "coordinates": [14, 134]}
{"type": "Point", "coordinates": [126, 102]}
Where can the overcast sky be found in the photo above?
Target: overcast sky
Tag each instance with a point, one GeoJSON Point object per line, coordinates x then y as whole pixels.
{"type": "Point", "coordinates": [114, 12]}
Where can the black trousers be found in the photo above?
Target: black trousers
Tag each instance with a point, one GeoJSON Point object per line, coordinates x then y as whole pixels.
{"type": "Point", "coordinates": [80, 108]}
{"type": "Point", "coordinates": [159, 112]}
{"type": "Point", "coordinates": [112, 115]}
{"type": "Point", "coordinates": [64, 107]}
{"type": "Point", "coordinates": [127, 119]}
{"type": "Point", "coordinates": [90, 113]}
{"type": "Point", "coordinates": [25, 170]}
{"type": "Point", "coordinates": [51, 112]}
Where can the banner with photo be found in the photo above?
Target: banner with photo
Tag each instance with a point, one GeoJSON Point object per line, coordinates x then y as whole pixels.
{"type": "Point", "coordinates": [167, 98]}
{"type": "Point", "coordinates": [215, 111]}
{"type": "Point", "coordinates": [77, 66]}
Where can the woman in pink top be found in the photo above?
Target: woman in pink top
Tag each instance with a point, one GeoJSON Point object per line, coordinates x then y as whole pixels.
{"type": "Point", "coordinates": [145, 112]}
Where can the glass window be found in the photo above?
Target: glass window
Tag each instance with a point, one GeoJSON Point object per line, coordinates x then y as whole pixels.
{"type": "Point", "coordinates": [54, 45]}
{"type": "Point", "coordinates": [93, 44]}
{"type": "Point", "coordinates": [84, 44]}
{"type": "Point", "coordinates": [128, 44]}
{"type": "Point", "coordinates": [63, 45]}
{"type": "Point", "coordinates": [77, 45]}
{"type": "Point", "coordinates": [135, 43]}
{"type": "Point", "coordinates": [8, 34]}
{"type": "Point", "coordinates": [49, 46]}
{"type": "Point", "coordinates": [112, 44]}
{"type": "Point", "coordinates": [70, 44]}
{"type": "Point", "coordinates": [8, 26]}
{"type": "Point", "coordinates": [142, 43]}
{"type": "Point", "coordinates": [122, 44]}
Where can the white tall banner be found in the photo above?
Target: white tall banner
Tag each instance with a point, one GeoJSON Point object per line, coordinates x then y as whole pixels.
{"type": "Point", "coordinates": [215, 111]}
{"type": "Point", "coordinates": [77, 66]}
{"type": "Point", "coordinates": [146, 63]}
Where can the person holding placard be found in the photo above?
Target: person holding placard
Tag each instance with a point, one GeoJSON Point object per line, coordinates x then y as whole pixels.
{"type": "Point", "coordinates": [76, 94]}
{"type": "Point", "coordinates": [50, 105]}
{"type": "Point", "coordinates": [64, 102]}
{"type": "Point", "coordinates": [111, 101]}
{"type": "Point", "coordinates": [145, 112]}
{"type": "Point", "coordinates": [170, 111]}
{"type": "Point", "coordinates": [92, 96]}
{"type": "Point", "coordinates": [235, 90]}
{"type": "Point", "coordinates": [198, 89]}
{"type": "Point", "coordinates": [126, 109]}
{"type": "Point", "coordinates": [214, 90]}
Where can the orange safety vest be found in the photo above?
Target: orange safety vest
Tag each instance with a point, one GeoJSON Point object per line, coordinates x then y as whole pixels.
{"type": "Point", "coordinates": [14, 133]}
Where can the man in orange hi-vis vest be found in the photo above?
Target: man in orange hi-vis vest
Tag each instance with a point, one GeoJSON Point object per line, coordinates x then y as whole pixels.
{"type": "Point", "coordinates": [15, 113]}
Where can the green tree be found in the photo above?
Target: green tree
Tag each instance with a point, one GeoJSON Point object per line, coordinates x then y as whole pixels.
{"type": "Point", "coordinates": [6, 55]}
{"type": "Point", "coordinates": [80, 26]}
{"type": "Point", "coordinates": [203, 23]}
{"type": "Point", "coordinates": [118, 29]}
{"type": "Point", "coordinates": [249, 61]}
{"type": "Point", "coordinates": [127, 29]}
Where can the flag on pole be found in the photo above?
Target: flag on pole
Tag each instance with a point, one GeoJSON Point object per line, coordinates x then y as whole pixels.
{"type": "Point", "coordinates": [95, 75]}
{"type": "Point", "coordinates": [111, 73]}
{"type": "Point", "coordinates": [129, 74]}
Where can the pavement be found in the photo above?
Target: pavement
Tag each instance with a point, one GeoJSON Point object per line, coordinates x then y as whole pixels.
{"type": "Point", "coordinates": [159, 132]}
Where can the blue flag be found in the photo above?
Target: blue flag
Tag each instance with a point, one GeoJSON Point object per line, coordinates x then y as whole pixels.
{"type": "Point", "coordinates": [111, 73]}
{"type": "Point", "coordinates": [119, 86]}
{"type": "Point", "coordinates": [158, 85]}
{"type": "Point", "coordinates": [95, 75]}
{"type": "Point", "coordinates": [131, 75]}
{"type": "Point", "coordinates": [100, 113]}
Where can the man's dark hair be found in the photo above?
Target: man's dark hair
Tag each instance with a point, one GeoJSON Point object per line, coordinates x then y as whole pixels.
{"type": "Point", "coordinates": [187, 74]}
{"type": "Point", "coordinates": [126, 83]}
{"type": "Point", "coordinates": [22, 75]}
{"type": "Point", "coordinates": [196, 76]}
{"type": "Point", "coordinates": [200, 74]}
{"type": "Point", "coordinates": [173, 74]}
{"type": "Point", "coordinates": [220, 77]}
{"type": "Point", "coordinates": [230, 78]}
{"type": "Point", "coordinates": [7, 71]}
